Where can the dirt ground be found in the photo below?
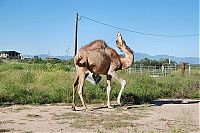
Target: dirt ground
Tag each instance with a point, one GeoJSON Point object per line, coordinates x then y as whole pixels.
{"type": "Point", "coordinates": [161, 116]}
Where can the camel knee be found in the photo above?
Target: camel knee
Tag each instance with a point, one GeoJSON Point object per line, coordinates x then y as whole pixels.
{"type": "Point", "coordinates": [123, 83]}
{"type": "Point", "coordinates": [80, 92]}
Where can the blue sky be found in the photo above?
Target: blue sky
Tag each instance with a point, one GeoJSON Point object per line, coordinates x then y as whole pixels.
{"type": "Point", "coordinates": [47, 26]}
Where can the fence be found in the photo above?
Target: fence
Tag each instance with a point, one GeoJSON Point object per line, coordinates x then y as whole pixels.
{"type": "Point", "coordinates": [164, 70]}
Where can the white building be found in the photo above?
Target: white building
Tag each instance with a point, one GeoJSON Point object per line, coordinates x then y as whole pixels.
{"type": "Point", "coordinates": [10, 55]}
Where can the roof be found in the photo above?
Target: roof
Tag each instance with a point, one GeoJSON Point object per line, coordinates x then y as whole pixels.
{"type": "Point", "coordinates": [52, 58]}
{"type": "Point", "coordinates": [9, 52]}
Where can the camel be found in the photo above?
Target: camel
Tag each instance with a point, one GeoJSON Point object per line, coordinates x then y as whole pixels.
{"type": "Point", "coordinates": [97, 57]}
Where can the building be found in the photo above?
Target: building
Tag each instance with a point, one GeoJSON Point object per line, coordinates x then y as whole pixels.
{"type": "Point", "coordinates": [10, 55]}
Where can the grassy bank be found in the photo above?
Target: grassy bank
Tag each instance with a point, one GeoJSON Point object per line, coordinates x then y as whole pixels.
{"type": "Point", "coordinates": [46, 83]}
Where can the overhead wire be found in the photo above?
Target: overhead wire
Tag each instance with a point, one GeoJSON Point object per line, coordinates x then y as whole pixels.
{"type": "Point", "coordinates": [134, 31]}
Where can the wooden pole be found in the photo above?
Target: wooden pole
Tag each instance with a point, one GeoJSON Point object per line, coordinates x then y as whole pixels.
{"type": "Point", "coordinates": [189, 69]}
{"type": "Point", "coordinates": [76, 36]}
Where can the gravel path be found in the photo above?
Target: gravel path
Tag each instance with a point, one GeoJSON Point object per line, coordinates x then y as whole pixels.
{"type": "Point", "coordinates": [163, 116]}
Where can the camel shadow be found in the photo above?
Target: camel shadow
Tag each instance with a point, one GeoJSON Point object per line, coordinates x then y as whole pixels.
{"type": "Point", "coordinates": [130, 105]}
{"type": "Point", "coordinates": [132, 99]}
{"type": "Point", "coordinates": [161, 102]}
{"type": "Point", "coordinates": [128, 101]}
{"type": "Point", "coordinates": [106, 107]}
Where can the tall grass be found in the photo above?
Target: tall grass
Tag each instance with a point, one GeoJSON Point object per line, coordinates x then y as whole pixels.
{"type": "Point", "coordinates": [40, 83]}
{"type": "Point", "coordinates": [143, 88]}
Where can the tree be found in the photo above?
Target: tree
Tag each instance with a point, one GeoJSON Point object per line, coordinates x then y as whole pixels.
{"type": "Point", "coordinates": [36, 59]}
{"type": "Point", "coordinates": [166, 61]}
{"type": "Point", "coordinates": [149, 62]}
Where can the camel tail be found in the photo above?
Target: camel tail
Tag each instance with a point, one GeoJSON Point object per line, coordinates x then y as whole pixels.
{"type": "Point", "coordinates": [76, 59]}
{"type": "Point", "coordinates": [80, 61]}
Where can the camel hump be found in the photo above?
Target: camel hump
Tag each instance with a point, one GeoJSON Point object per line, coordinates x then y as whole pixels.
{"type": "Point", "coordinates": [94, 45]}
{"type": "Point", "coordinates": [82, 56]}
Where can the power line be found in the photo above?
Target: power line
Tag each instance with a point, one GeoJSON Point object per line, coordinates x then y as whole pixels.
{"type": "Point", "coordinates": [137, 32]}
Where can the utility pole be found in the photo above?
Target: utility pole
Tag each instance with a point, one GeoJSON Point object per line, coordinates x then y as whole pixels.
{"type": "Point", "coordinates": [67, 53]}
{"type": "Point", "coordinates": [48, 54]}
{"type": "Point", "coordinates": [76, 36]}
{"type": "Point", "coordinates": [67, 56]}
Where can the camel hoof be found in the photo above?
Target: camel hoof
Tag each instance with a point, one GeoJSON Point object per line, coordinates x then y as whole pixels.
{"type": "Point", "coordinates": [110, 107]}
{"type": "Point", "coordinates": [118, 102]}
{"type": "Point", "coordinates": [73, 108]}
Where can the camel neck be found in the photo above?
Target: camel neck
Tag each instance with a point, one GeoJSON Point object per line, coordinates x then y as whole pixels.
{"type": "Point", "coordinates": [127, 61]}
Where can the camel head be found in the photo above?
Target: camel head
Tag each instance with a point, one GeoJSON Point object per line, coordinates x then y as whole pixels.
{"type": "Point", "coordinates": [120, 41]}
{"type": "Point", "coordinates": [121, 44]}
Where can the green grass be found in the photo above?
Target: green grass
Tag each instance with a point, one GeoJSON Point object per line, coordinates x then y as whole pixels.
{"type": "Point", "coordinates": [35, 86]}
{"type": "Point", "coordinates": [46, 83]}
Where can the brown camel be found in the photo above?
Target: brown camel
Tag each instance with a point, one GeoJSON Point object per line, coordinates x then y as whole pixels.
{"type": "Point", "coordinates": [183, 67]}
{"type": "Point", "coordinates": [98, 58]}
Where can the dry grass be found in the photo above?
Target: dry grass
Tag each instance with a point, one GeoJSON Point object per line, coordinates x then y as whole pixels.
{"type": "Point", "coordinates": [107, 119]}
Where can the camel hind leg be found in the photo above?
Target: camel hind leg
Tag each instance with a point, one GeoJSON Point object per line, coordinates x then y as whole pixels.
{"type": "Point", "coordinates": [82, 73]}
{"type": "Point", "coordinates": [80, 88]}
{"type": "Point", "coordinates": [75, 85]}
{"type": "Point", "coordinates": [78, 85]}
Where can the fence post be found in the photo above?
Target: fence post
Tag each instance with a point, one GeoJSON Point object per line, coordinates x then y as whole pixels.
{"type": "Point", "coordinates": [129, 70]}
{"type": "Point", "coordinates": [175, 67]}
{"type": "Point", "coordinates": [162, 69]}
{"type": "Point", "coordinates": [189, 69]}
{"type": "Point", "coordinates": [165, 71]}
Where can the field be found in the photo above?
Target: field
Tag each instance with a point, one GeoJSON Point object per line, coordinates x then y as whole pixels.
{"type": "Point", "coordinates": [22, 83]}
{"type": "Point", "coordinates": [31, 85]}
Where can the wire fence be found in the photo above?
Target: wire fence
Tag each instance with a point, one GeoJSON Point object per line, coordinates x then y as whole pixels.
{"type": "Point", "coordinates": [164, 70]}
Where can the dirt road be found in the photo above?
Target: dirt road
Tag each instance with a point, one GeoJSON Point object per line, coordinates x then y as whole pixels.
{"type": "Point", "coordinates": [162, 116]}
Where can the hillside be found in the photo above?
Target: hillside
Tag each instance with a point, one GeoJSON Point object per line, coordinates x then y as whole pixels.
{"type": "Point", "coordinates": [138, 56]}
{"type": "Point", "coordinates": [191, 60]}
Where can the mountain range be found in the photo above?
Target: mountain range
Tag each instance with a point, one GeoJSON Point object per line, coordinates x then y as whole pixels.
{"type": "Point", "coordinates": [138, 56]}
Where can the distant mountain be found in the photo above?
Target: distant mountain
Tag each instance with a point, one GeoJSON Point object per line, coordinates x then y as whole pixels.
{"type": "Point", "coordinates": [191, 60]}
{"type": "Point", "coordinates": [44, 56]}
{"type": "Point", "coordinates": [138, 56]}
{"type": "Point", "coordinates": [64, 57]}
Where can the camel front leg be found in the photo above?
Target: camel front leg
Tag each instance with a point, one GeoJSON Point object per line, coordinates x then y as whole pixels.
{"type": "Point", "coordinates": [80, 89]}
{"type": "Point", "coordinates": [123, 84]}
{"type": "Point", "coordinates": [108, 90]}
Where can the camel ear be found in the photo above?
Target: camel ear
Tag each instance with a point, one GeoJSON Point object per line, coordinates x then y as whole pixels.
{"type": "Point", "coordinates": [118, 34]}
{"type": "Point", "coordinates": [124, 41]}
{"type": "Point", "coordinates": [119, 37]}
